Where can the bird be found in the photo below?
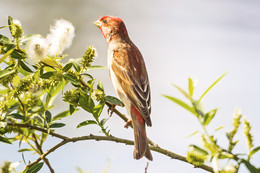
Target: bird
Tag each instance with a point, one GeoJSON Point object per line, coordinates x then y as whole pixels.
{"type": "Point", "coordinates": [129, 76]}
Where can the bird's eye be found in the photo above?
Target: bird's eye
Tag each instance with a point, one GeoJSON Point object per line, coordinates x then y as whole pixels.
{"type": "Point", "coordinates": [104, 21]}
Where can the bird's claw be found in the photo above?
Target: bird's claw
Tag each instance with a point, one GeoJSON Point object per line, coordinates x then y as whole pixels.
{"type": "Point", "coordinates": [111, 110]}
{"type": "Point", "coordinates": [128, 123]}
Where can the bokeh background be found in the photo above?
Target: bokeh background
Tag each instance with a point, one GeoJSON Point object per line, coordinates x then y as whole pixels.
{"type": "Point", "coordinates": [200, 39]}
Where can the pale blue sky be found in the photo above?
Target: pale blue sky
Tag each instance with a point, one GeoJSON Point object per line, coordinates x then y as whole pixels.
{"type": "Point", "coordinates": [200, 39]}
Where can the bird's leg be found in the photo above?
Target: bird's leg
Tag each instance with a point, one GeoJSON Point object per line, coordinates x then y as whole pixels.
{"type": "Point", "coordinates": [128, 123]}
{"type": "Point", "coordinates": [111, 109]}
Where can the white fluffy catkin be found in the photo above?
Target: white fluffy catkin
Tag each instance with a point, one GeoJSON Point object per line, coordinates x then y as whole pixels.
{"type": "Point", "coordinates": [37, 49]}
{"type": "Point", "coordinates": [60, 37]}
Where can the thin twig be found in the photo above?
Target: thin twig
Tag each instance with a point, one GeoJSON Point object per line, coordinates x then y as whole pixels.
{"type": "Point", "coordinates": [38, 146]}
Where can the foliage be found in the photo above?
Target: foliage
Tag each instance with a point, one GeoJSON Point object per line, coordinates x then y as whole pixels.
{"type": "Point", "coordinates": [28, 90]}
{"type": "Point", "coordinates": [211, 151]}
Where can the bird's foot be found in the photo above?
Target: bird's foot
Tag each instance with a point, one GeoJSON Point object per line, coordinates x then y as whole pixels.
{"type": "Point", "coordinates": [128, 123]}
{"type": "Point", "coordinates": [111, 110]}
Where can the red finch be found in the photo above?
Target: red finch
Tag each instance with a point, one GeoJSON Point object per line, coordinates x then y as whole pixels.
{"type": "Point", "coordinates": [129, 76]}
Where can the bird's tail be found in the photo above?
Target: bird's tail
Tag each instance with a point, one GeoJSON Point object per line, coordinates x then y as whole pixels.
{"type": "Point", "coordinates": [140, 142]}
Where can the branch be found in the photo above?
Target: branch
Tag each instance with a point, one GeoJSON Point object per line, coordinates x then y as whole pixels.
{"type": "Point", "coordinates": [66, 140]}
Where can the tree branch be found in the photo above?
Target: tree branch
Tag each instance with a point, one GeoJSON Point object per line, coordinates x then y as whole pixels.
{"type": "Point", "coordinates": [66, 140]}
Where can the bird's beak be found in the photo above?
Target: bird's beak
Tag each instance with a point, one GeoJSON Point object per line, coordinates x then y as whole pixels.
{"type": "Point", "coordinates": [97, 23]}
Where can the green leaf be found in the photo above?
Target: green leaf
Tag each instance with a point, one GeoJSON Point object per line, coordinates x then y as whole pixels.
{"type": "Point", "coordinates": [98, 110]}
{"type": "Point", "coordinates": [212, 85]}
{"type": "Point", "coordinates": [181, 103]}
{"type": "Point", "coordinates": [47, 75]}
{"type": "Point", "coordinates": [191, 87]}
{"type": "Point", "coordinates": [87, 122]}
{"type": "Point", "coordinates": [63, 115]}
{"type": "Point", "coordinates": [114, 101]}
{"type": "Point", "coordinates": [182, 91]}
{"type": "Point", "coordinates": [103, 121]}
{"type": "Point", "coordinates": [24, 66]}
{"type": "Point", "coordinates": [250, 167]}
{"type": "Point", "coordinates": [5, 140]}
{"type": "Point", "coordinates": [5, 40]}
{"type": "Point", "coordinates": [25, 149]}
{"type": "Point", "coordinates": [48, 116]}
{"type": "Point", "coordinates": [96, 67]}
{"type": "Point", "coordinates": [6, 72]}
{"type": "Point", "coordinates": [255, 150]}
{"type": "Point", "coordinates": [197, 150]}
{"type": "Point", "coordinates": [100, 86]}
{"type": "Point", "coordinates": [17, 55]}
{"type": "Point", "coordinates": [76, 66]}
{"type": "Point", "coordinates": [28, 37]}
{"type": "Point", "coordinates": [6, 55]}
{"type": "Point", "coordinates": [57, 125]}
{"type": "Point", "coordinates": [209, 116]}
{"type": "Point", "coordinates": [67, 67]}
{"type": "Point", "coordinates": [192, 134]}
{"type": "Point", "coordinates": [88, 75]}
{"type": "Point", "coordinates": [3, 27]}
{"type": "Point", "coordinates": [86, 102]}
{"type": "Point", "coordinates": [10, 22]}
{"type": "Point", "coordinates": [35, 168]}
{"type": "Point", "coordinates": [72, 78]}
{"type": "Point", "coordinates": [16, 116]}
{"type": "Point", "coordinates": [72, 109]}
{"type": "Point", "coordinates": [54, 91]}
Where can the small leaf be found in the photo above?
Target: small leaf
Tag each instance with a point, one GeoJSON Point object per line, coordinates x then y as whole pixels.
{"type": "Point", "coordinates": [16, 116]}
{"type": "Point", "coordinates": [197, 150]}
{"type": "Point", "coordinates": [25, 67]}
{"type": "Point", "coordinates": [181, 103]}
{"type": "Point", "coordinates": [67, 67]}
{"type": "Point", "coordinates": [219, 128]}
{"type": "Point", "coordinates": [10, 22]}
{"type": "Point", "coordinates": [192, 134]}
{"type": "Point", "coordinates": [182, 91]}
{"type": "Point", "coordinates": [98, 110]}
{"type": "Point", "coordinates": [57, 125]}
{"type": "Point", "coordinates": [88, 75]}
{"type": "Point", "coordinates": [86, 102]}
{"type": "Point", "coordinates": [87, 122]}
{"type": "Point", "coordinates": [209, 116]}
{"type": "Point", "coordinates": [48, 116]}
{"type": "Point", "coordinates": [114, 101]}
{"type": "Point", "coordinates": [3, 27]}
{"type": "Point", "coordinates": [72, 109]}
{"type": "Point", "coordinates": [5, 140]}
{"type": "Point", "coordinates": [96, 67]}
{"type": "Point", "coordinates": [5, 40]}
{"type": "Point", "coordinates": [54, 91]}
{"type": "Point", "coordinates": [103, 121]}
{"type": "Point", "coordinates": [63, 115]}
{"type": "Point", "coordinates": [255, 150]}
{"type": "Point", "coordinates": [191, 87]}
{"type": "Point", "coordinates": [25, 149]}
{"type": "Point", "coordinates": [47, 75]}
{"type": "Point", "coordinates": [17, 55]}
{"type": "Point", "coordinates": [250, 167]}
{"type": "Point", "coordinates": [100, 86]}
{"type": "Point", "coordinates": [6, 72]}
{"type": "Point", "coordinates": [6, 55]}
{"type": "Point", "coordinates": [35, 168]}
{"type": "Point", "coordinates": [71, 78]}
{"type": "Point", "coordinates": [211, 86]}
{"type": "Point", "coordinates": [76, 66]}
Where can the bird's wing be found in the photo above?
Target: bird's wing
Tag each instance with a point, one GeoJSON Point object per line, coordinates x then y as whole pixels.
{"type": "Point", "coordinates": [129, 69]}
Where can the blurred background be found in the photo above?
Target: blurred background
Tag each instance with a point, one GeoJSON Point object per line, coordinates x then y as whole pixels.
{"type": "Point", "coordinates": [200, 39]}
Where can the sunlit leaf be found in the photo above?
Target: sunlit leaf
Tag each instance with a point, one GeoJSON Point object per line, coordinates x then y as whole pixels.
{"type": "Point", "coordinates": [255, 150]}
{"type": "Point", "coordinates": [100, 86]}
{"type": "Point", "coordinates": [209, 116]}
{"type": "Point", "coordinates": [5, 40]}
{"type": "Point", "coordinates": [182, 91]}
{"type": "Point", "coordinates": [87, 122]}
{"type": "Point", "coordinates": [96, 67]}
{"type": "Point", "coordinates": [54, 91]}
{"type": "Point", "coordinates": [16, 116]}
{"type": "Point", "coordinates": [103, 121]}
{"type": "Point", "coordinates": [71, 78]}
{"type": "Point", "coordinates": [25, 149]}
{"type": "Point", "coordinates": [212, 85]}
{"type": "Point", "coordinates": [181, 103]}
{"type": "Point", "coordinates": [47, 75]}
{"type": "Point", "coordinates": [98, 109]}
{"type": "Point", "coordinates": [192, 134]}
{"type": "Point", "coordinates": [67, 67]}
{"type": "Point", "coordinates": [191, 87]}
{"type": "Point", "coordinates": [76, 66]}
{"type": "Point", "coordinates": [6, 72]}
{"type": "Point", "coordinates": [63, 115]}
{"type": "Point", "coordinates": [6, 55]}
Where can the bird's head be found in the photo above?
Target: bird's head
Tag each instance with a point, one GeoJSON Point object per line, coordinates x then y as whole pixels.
{"type": "Point", "coordinates": [111, 26]}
